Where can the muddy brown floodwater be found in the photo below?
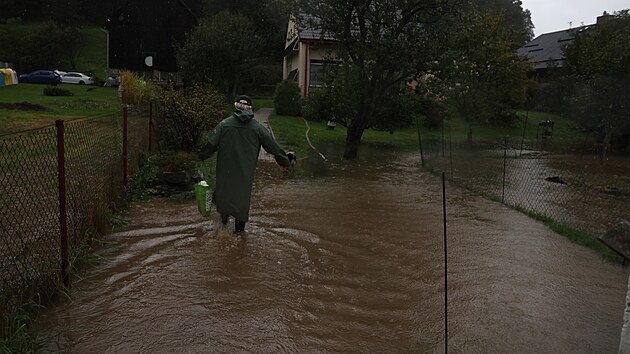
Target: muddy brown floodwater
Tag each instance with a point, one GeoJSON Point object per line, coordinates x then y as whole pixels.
{"type": "Point", "coordinates": [349, 261]}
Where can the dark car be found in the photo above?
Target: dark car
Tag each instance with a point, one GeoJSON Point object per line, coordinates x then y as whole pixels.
{"type": "Point", "coordinates": [41, 77]}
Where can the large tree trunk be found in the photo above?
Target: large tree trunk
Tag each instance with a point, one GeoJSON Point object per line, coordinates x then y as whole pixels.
{"type": "Point", "coordinates": [469, 137]}
{"type": "Point", "coordinates": [355, 130]}
{"type": "Point", "coordinates": [353, 139]}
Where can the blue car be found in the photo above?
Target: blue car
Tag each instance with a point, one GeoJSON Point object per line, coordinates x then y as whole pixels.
{"type": "Point", "coordinates": [41, 77]}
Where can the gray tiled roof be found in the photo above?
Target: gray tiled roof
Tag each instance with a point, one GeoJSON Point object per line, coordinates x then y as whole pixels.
{"type": "Point", "coordinates": [548, 49]}
{"type": "Point", "coordinates": [308, 28]}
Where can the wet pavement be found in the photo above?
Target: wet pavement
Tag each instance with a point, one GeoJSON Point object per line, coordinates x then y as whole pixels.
{"type": "Point", "coordinates": [349, 260]}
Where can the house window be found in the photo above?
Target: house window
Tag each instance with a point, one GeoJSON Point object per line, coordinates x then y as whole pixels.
{"type": "Point", "coordinates": [317, 73]}
{"type": "Point", "coordinates": [318, 70]}
{"type": "Point", "coordinates": [293, 75]}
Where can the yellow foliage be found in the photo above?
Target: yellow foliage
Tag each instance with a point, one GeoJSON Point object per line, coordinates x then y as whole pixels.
{"type": "Point", "coordinates": [133, 89]}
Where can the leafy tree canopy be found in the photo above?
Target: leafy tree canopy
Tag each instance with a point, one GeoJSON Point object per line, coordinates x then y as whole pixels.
{"type": "Point", "coordinates": [516, 20]}
{"type": "Point", "coordinates": [220, 51]}
{"type": "Point", "coordinates": [268, 17]}
{"type": "Point", "coordinates": [599, 64]}
{"type": "Point", "coordinates": [383, 44]}
{"type": "Point", "coordinates": [47, 46]}
{"type": "Point", "coordinates": [479, 73]}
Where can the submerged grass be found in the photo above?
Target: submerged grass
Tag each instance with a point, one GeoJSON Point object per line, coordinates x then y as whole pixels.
{"type": "Point", "coordinates": [17, 332]}
{"type": "Point", "coordinates": [290, 132]}
{"type": "Point", "coordinates": [16, 335]}
{"type": "Point", "coordinates": [577, 236]}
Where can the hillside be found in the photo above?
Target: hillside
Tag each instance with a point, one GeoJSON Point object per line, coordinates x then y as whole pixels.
{"type": "Point", "coordinates": [92, 57]}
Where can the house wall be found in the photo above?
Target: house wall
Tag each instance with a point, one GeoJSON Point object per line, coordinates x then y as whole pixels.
{"type": "Point", "coordinates": [307, 51]}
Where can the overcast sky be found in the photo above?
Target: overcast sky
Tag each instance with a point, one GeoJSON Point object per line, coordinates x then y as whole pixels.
{"type": "Point", "coordinates": [555, 15]}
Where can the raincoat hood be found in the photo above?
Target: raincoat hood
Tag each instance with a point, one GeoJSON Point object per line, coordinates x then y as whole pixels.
{"type": "Point", "coordinates": [243, 115]}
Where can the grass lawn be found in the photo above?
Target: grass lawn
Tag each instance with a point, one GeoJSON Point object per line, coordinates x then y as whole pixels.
{"type": "Point", "coordinates": [290, 131]}
{"type": "Point", "coordinates": [93, 57]}
{"type": "Point", "coordinates": [87, 101]}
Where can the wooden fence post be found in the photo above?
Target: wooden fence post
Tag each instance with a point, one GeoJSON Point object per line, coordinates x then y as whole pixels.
{"type": "Point", "coordinates": [124, 137]}
{"type": "Point", "coordinates": [150, 124]}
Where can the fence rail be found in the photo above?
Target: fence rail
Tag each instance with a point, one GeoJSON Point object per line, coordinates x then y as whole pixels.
{"type": "Point", "coordinates": [572, 188]}
{"type": "Point", "coordinates": [54, 185]}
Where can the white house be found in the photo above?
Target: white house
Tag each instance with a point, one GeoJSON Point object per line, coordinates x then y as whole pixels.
{"type": "Point", "coordinates": [306, 52]}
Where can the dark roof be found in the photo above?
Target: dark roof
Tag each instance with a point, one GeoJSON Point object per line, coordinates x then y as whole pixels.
{"type": "Point", "coordinates": [308, 29]}
{"type": "Point", "coordinates": [547, 49]}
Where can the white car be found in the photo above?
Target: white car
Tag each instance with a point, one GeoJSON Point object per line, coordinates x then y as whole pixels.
{"type": "Point", "coordinates": [76, 78]}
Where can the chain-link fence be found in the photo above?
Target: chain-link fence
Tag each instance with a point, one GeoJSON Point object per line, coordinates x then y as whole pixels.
{"type": "Point", "coordinates": [56, 183]}
{"type": "Point", "coordinates": [571, 187]}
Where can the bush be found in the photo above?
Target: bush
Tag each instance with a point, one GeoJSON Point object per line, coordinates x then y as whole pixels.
{"type": "Point", "coordinates": [133, 89]}
{"type": "Point", "coordinates": [320, 105]}
{"type": "Point", "coordinates": [398, 110]}
{"type": "Point", "coordinates": [331, 101]}
{"type": "Point", "coordinates": [145, 177]}
{"type": "Point", "coordinates": [185, 115]}
{"type": "Point", "coordinates": [434, 113]}
{"type": "Point", "coordinates": [56, 91]}
{"type": "Point", "coordinates": [23, 106]}
{"type": "Point", "coordinates": [287, 99]}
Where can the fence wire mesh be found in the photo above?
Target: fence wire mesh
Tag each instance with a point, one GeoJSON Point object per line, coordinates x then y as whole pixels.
{"type": "Point", "coordinates": [30, 247]}
{"type": "Point", "coordinates": [29, 222]}
{"type": "Point", "coordinates": [573, 188]}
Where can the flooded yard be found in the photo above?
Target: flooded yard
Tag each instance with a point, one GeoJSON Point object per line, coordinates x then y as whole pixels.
{"type": "Point", "coordinates": [350, 260]}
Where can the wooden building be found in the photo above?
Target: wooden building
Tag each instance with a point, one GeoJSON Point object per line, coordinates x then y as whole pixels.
{"type": "Point", "coordinates": [141, 36]}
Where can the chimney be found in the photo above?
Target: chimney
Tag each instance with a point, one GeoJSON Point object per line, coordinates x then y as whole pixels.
{"type": "Point", "coordinates": [603, 18]}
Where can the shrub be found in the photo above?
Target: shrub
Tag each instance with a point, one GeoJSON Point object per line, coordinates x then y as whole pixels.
{"type": "Point", "coordinates": [56, 91]}
{"type": "Point", "coordinates": [133, 89]}
{"type": "Point", "coordinates": [22, 106]}
{"type": "Point", "coordinates": [145, 176]}
{"type": "Point", "coordinates": [434, 113]}
{"type": "Point", "coordinates": [12, 21]}
{"type": "Point", "coordinates": [287, 99]}
{"type": "Point", "coordinates": [397, 110]}
{"type": "Point", "coordinates": [185, 115]}
{"type": "Point", "coordinates": [320, 105]}
{"type": "Point", "coordinates": [329, 102]}
{"type": "Point", "coordinates": [173, 161]}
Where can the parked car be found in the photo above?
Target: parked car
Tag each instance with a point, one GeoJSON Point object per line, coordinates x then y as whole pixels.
{"type": "Point", "coordinates": [112, 81]}
{"type": "Point", "coordinates": [41, 77]}
{"type": "Point", "coordinates": [77, 78]}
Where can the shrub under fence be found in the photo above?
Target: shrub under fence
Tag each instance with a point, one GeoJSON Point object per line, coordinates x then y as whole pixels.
{"type": "Point", "coordinates": [40, 209]}
{"type": "Point", "coordinates": [571, 189]}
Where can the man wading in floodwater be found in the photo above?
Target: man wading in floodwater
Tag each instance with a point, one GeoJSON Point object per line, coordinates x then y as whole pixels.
{"type": "Point", "coordinates": [238, 139]}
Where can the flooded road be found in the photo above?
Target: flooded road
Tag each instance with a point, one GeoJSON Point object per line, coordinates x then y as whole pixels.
{"type": "Point", "coordinates": [349, 261]}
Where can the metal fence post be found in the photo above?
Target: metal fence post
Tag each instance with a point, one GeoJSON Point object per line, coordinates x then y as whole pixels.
{"type": "Point", "coordinates": [524, 129]}
{"type": "Point", "coordinates": [124, 142]}
{"type": "Point", "coordinates": [450, 151]}
{"type": "Point", "coordinates": [63, 218]}
{"type": "Point", "coordinates": [504, 170]}
{"type": "Point", "coordinates": [420, 142]}
{"type": "Point", "coordinates": [150, 124]}
{"type": "Point", "coordinates": [445, 265]}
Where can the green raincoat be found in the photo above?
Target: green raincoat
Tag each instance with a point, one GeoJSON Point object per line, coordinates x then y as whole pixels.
{"type": "Point", "coordinates": [238, 139]}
